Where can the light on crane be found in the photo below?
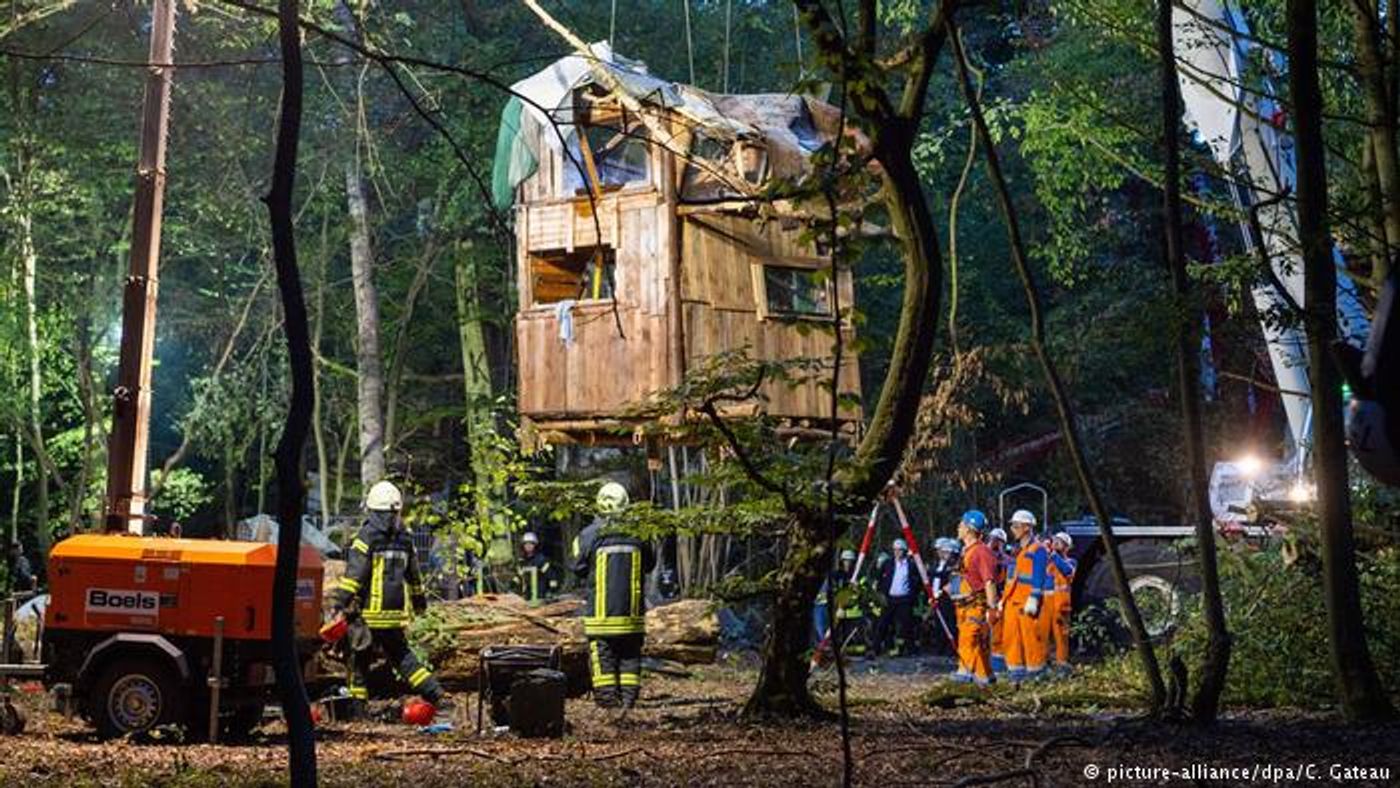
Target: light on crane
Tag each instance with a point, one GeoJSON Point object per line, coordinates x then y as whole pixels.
{"type": "Point", "coordinates": [1250, 465]}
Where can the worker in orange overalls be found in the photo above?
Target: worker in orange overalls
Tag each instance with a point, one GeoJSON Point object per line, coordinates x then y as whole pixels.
{"type": "Point", "coordinates": [1062, 572]}
{"type": "Point", "coordinates": [1026, 640]}
{"type": "Point", "coordinates": [996, 541]}
{"type": "Point", "coordinates": [974, 592]}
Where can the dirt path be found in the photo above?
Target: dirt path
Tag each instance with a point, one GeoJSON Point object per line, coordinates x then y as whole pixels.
{"type": "Point", "coordinates": [685, 733]}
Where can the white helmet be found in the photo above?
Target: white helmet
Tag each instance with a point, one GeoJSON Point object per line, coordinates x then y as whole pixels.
{"type": "Point", "coordinates": [996, 533]}
{"type": "Point", "coordinates": [1065, 538]}
{"type": "Point", "coordinates": [612, 498]}
{"type": "Point", "coordinates": [900, 544]}
{"type": "Point", "coordinates": [848, 555]}
{"type": "Point", "coordinates": [1024, 517]}
{"type": "Point", "coordinates": [384, 497]}
{"type": "Point", "coordinates": [529, 538]}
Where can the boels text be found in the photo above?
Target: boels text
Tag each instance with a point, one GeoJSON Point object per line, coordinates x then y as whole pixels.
{"type": "Point", "coordinates": [106, 600]}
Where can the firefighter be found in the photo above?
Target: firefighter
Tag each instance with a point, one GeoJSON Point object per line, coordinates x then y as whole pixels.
{"type": "Point", "coordinates": [380, 592]}
{"type": "Point", "coordinates": [1025, 640]}
{"type": "Point", "coordinates": [850, 614]}
{"type": "Point", "coordinates": [948, 550]}
{"type": "Point", "coordinates": [1061, 604]}
{"type": "Point", "coordinates": [536, 579]}
{"type": "Point", "coordinates": [974, 592]}
{"type": "Point", "coordinates": [898, 582]}
{"type": "Point", "coordinates": [611, 565]}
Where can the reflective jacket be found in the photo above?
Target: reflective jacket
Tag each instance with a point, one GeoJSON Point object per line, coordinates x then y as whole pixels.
{"type": "Point", "coordinates": [1028, 576]}
{"type": "Point", "coordinates": [382, 574]}
{"type": "Point", "coordinates": [613, 567]}
{"type": "Point", "coordinates": [536, 578]}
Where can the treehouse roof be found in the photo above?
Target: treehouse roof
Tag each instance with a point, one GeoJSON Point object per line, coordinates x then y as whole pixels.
{"type": "Point", "coordinates": [539, 119]}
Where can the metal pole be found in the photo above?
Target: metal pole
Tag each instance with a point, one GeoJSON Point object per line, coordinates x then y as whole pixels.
{"type": "Point", "coordinates": [131, 400]}
{"type": "Point", "coordinates": [216, 680]}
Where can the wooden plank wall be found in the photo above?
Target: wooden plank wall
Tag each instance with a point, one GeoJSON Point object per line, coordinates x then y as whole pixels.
{"type": "Point", "coordinates": [720, 288]}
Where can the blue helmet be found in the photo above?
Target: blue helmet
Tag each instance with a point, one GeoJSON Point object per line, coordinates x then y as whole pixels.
{"type": "Point", "coordinates": [974, 519]}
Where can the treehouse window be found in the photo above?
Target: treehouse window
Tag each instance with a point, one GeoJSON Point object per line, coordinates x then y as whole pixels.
{"type": "Point", "coordinates": [620, 157]}
{"type": "Point", "coordinates": [796, 292]}
{"type": "Point", "coordinates": [558, 275]}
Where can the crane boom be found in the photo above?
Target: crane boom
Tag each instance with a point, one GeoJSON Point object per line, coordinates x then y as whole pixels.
{"type": "Point", "coordinates": [1244, 126]}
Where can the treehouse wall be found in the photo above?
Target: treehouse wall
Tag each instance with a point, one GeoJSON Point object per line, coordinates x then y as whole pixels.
{"type": "Point", "coordinates": [725, 299]}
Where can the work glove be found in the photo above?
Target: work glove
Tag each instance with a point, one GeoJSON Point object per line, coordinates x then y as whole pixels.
{"type": "Point", "coordinates": [1032, 607]}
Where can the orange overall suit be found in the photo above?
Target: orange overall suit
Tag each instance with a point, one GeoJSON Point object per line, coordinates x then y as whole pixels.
{"type": "Point", "coordinates": [1004, 564]}
{"type": "Point", "coordinates": [1059, 605]}
{"type": "Point", "coordinates": [969, 593]}
{"type": "Point", "coordinates": [1026, 638]}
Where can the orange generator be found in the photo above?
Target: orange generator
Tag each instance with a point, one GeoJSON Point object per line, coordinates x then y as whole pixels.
{"type": "Point", "coordinates": [148, 631]}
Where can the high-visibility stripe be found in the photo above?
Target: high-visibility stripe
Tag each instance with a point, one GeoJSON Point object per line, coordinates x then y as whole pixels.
{"type": "Point", "coordinates": [359, 693]}
{"type": "Point", "coordinates": [376, 585]}
{"type": "Point", "coordinates": [419, 676]}
{"type": "Point", "coordinates": [361, 545]}
{"type": "Point", "coordinates": [629, 679]}
{"type": "Point", "coordinates": [622, 625]}
{"type": "Point", "coordinates": [600, 585]}
{"type": "Point", "coordinates": [636, 584]}
{"type": "Point", "coordinates": [349, 584]}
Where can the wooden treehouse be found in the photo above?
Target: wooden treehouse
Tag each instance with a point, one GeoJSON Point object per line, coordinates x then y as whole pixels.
{"type": "Point", "coordinates": [643, 246]}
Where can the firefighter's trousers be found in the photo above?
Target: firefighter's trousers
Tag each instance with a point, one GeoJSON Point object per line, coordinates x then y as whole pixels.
{"type": "Point", "coordinates": [616, 668]}
{"type": "Point", "coordinates": [1025, 638]}
{"type": "Point", "coordinates": [395, 648]}
{"type": "Point", "coordinates": [1059, 607]}
{"type": "Point", "coordinates": [974, 643]}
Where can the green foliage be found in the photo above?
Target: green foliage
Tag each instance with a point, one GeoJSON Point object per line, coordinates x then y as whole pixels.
{"type": "Point", "coordinates": [1277, 623]}
{"type": "Point", "coordinates": [183, 492]}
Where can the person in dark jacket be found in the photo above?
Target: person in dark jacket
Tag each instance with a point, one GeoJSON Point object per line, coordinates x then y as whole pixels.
{"type": "Point", "coordinates": [536, 579]}
{"type": "Point", "coordinates": [380, 592]}
{"type": "Point", "coordinates": [899, 581]}
{"type": "Point", "coordinates": [612, 566]}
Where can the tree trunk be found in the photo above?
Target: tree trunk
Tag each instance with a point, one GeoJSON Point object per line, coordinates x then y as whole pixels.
{"type": "Point", "coordinates": [368, 361]}
{"type": "Point", "coordinates": [29, 260]}
{"type": "Point", "coordinates": [782, 681]}
{"type": "Point", "coordinates": [401, 339]}
{"type": "Point", "coordinates": [301, 741]}
{"type": "Point", "coordinates": [1064, 409]}
{"type": "Point", "coordinates": [1205, 704]}
{"type": "Point", "coordinates": [1381, 114]}
{"type": "Point", "coordinates": [318, 426]}
{"type": "Point", "coordinates": [1361, 693]}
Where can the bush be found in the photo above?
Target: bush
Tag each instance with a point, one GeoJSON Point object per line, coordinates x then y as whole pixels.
{"type": "Point", "coordinates": [1278, 623]}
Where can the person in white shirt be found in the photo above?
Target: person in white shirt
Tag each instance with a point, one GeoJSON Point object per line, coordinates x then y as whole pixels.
{"type": "Point", "coordinates": [898, 582]}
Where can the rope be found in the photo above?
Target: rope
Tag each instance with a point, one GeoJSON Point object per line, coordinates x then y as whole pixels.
{"type": "Point", "coordinates": [689, 43]}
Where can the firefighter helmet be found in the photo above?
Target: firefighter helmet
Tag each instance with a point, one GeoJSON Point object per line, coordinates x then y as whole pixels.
{"type": "Point", "coordinates": [612, 498]}
{"type": "Point", "coordinates": [529, 538]}
{"type": "Point", "coordinates": [384, 497]}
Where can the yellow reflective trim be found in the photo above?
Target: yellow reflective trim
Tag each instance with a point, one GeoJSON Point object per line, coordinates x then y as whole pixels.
{"type": "Point", "coordinates": [361, 545]}
{"type": "Point", "coordinates": [600, 573]}
{"type": "Point", "coordinates": [359, 693]}
{"type": "Point", "coordinates": [636, 587]}
{"type": "Point", "coordinates": [574, 548]}
{"type": "Point", "coordinates": [630, 679]}
{"type": "Point", "coordinates": [349, 584]}
{"type": "Point", "coordinates": [419, 676]}
{"type": "Point", "coordinates": [376, 586]}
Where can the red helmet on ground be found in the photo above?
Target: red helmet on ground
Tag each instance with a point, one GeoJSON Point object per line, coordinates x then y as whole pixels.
{"type": "Point", "coordinates": [419, 712]}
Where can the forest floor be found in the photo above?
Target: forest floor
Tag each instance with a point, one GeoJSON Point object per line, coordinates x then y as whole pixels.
{"type": "Point", "coordinates": [907, 728]}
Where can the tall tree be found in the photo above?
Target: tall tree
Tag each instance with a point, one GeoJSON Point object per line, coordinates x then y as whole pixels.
{"type": "Point", "coordinates": [1064, 409]}
{"type": "Point", "coordinates": [1205, 704]}
{"type": "Point", "coordinates": [369, 363]}
{"type": "Point", "coordinates": [1361, 693]}
{"type": "Point", "coordinates": [291, 488]}
{"type": "Point", "coordinates": [1381, 142]}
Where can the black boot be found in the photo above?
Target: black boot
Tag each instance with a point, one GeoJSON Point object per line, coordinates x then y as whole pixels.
{"type": "Point", "coordinates": [606, 697]}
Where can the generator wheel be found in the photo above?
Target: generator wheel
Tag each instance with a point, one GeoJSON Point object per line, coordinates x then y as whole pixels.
{"type": "Point", "coordinates": [132, 695]}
